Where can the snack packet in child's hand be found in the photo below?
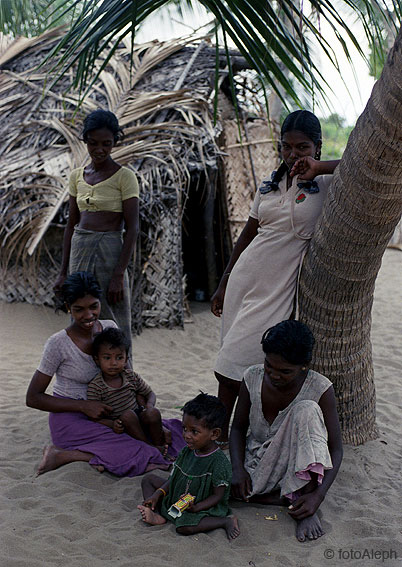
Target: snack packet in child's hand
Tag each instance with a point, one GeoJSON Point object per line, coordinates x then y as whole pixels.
{"type": "Point", "coordinates": [176, 509]}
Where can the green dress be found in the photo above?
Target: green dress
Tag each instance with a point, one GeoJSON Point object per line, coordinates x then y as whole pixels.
{"type": "Point", "coordinates": [198, 475]}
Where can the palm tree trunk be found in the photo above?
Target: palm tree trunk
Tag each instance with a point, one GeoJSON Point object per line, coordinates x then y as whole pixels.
{"type": "Point", "coordinates": [341, 266]}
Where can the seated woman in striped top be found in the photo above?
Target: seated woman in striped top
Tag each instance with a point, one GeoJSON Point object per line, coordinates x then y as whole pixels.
{"type": "Point", "coordinates": [131, 399]}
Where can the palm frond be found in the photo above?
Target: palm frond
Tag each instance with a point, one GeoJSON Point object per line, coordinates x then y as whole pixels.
{"type": "Point", "coordinates": [32, 17]}
{"type": "Point", "coordinates": [267, 34]}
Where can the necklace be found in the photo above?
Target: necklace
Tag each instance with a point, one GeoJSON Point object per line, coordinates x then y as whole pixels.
{"type": "Point", "coordinates": [206, 454]}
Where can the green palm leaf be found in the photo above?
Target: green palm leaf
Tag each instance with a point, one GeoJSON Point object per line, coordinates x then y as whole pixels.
{"type": "Point", "coordinates": [32, 17]}
{"type": "Point", "coordinates": [270, 35]}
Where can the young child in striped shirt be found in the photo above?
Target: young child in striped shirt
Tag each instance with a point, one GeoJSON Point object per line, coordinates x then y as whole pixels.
{"type": "Point", "coordinates": [130, 397]}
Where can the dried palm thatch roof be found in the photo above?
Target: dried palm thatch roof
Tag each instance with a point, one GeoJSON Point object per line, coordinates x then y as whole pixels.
{"type": "Point", "coordinates": [163, 102]}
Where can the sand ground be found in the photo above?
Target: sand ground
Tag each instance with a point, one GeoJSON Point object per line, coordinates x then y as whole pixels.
{"type": "Point", "coordinates": [77, 517]}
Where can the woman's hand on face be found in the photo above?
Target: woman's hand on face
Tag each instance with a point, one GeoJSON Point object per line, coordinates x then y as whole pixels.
{"type": "Point", "coordinates": [306, 505]}
{"type": "Point", "coordinates": [217, 301]}
{"type": "Point", "coordinates": [241, 484]}
{"type": "Point", "coordinates": [306, 167]}
{"type": "Point", "coordinates": [115, 291]}
{"type": "Point", "coordinates": [96, 410]}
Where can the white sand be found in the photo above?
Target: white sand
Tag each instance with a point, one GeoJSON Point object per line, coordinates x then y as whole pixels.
{"type": "Point", "coordinates": [77, 517]}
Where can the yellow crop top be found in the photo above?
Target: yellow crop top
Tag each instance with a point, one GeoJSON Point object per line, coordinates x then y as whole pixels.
{"type": "Point", "coordinates": [108, 195]}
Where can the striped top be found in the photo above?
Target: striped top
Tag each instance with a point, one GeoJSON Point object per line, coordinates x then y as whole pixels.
{"type": "Point", "coordinates": [120, 399]}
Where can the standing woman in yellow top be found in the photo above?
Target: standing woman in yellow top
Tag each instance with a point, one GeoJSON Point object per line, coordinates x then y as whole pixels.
{"type": "Point", "coordinates": [103, 202]}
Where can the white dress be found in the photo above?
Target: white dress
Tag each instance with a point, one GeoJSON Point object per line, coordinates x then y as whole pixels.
{"type": "Point", "coordinates": [262, 285]}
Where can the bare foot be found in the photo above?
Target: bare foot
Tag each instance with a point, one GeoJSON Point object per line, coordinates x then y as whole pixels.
{"type": "Point", "coordinates": [99, 468]}
{"type": "Point", "coordinates": [50, 460]}
{"type": "Point", "coordinates": [150, 517]}
{"type": "Point", "coordinates": [163, 449]}
{"type": "Point", "coordinates": [170, 458]}
{"type": "Point", "coordinates": [168, 435]}
{"type": "Point", "coordinates": [309, 528]}
{"type": "Point", "coordinates": [232, 527]}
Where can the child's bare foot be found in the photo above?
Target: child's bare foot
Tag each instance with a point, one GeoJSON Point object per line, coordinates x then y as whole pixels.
{"type": "Point", "coordinates": [99, 468]}
{"type": "Point", "coordinates": [150, 517]}
{"type": "Point", "coordinates": [309, 528]}
{"type": "Point", "coordinates": [50, 460]}
{"type": "Point", "coordinates": [163, 449]}
{"type": "Point", "coordinates": [232, 527]}
{"type": "Point", "coordinates": [168, 435]}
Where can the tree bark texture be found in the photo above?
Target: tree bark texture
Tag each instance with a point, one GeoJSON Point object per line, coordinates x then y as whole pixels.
{"type": "Point", "coordinates": [339, 272]}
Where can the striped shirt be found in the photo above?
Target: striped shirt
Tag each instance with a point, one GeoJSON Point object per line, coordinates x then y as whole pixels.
{"type": "Point", "coordinates": [120, 399]}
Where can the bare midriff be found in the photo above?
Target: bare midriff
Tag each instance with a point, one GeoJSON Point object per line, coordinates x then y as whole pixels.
{"type": "Point", "coordinates": [101, 221]}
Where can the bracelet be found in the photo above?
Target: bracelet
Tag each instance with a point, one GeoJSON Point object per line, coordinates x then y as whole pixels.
{"type": "Point", "coordinates": [163, 491]}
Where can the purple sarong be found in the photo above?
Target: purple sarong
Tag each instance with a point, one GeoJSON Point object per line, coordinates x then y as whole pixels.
{"type": "Point", "coordinates": [120, 454]}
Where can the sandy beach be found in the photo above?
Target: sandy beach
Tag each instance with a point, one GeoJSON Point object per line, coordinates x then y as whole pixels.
{"type": "Point", "coordinates": [75, 516]}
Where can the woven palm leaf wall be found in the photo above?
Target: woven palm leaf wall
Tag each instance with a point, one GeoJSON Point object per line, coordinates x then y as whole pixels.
{"type": "Point", "coordinates": [40, 144]}
{"type": "Point", "coordinates": [247, 160]}
{"type": "Point", "coordinates": [164, 104]}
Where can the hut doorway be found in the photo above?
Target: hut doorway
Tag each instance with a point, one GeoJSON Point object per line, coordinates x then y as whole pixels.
{"type": "Point", "coordinates": [206, 244]}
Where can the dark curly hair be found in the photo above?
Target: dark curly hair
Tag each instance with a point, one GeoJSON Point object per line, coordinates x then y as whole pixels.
{"type": "Point", "coordinates": [291, 339]}
{"type": "Point", "coordinates": [113, 337]}
{"type": "Point", "coordinates": [102, 119]}
{"type": "Point", "coordinates": [75, 286]}
{"type": "Point", "coordinates": [207, 408]}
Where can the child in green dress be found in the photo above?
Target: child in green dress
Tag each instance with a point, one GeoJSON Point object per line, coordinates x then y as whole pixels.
{"type": "Point", "coordinates": [201, 470]}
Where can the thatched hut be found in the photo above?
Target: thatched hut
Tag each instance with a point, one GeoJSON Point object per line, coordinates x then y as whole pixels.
{"type": "Point", "coordinates": [197, 177]}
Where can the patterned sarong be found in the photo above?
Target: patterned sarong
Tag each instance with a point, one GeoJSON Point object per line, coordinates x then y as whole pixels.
{"type": "Point", "coordinates": [98, 253]}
